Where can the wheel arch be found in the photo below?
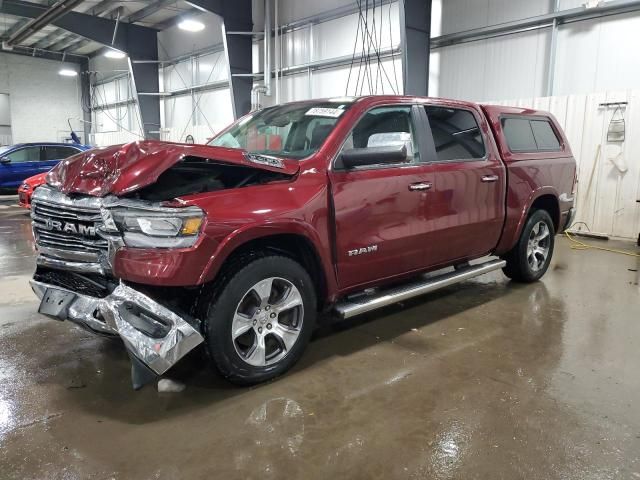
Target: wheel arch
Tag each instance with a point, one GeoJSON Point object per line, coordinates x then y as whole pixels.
{"type": "Point", "coordinates": [550, 204]}
{"type": "Point", "coordinates": [296, 243]}
{"type": "Point", "coordinates": [545, 198]}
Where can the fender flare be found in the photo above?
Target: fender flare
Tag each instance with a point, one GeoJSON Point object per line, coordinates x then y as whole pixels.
{"type": "Point", "coordinates": [507, 243]}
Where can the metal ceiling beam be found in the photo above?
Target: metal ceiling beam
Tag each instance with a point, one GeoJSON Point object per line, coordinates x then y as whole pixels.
{"type": "Point", "coordinates": [134, 17]}
{"type": "Point", "coordinates": [62, 44]}
{"type": "Point", "coordinates": [415, 35]}
{"type": "Point", "coordinates": [101, 7]}
{"type": "Point", "coordinates": [147, 11]}
{"type": "Point", "coordinates": [46, 54]}
{"type": "Point", "coordinates": [97, 29]}
{"type": "Point", "coordinates": [612, 7]}
{"type": "Point", "coordinates": [55, 36]}
{"type": "Point", "coordinates": [15, 27]}
{"type": "Point", "coordinates": [48, 15]}
{"type": "Point", "coordinates": [78, 44]}
{"type": "Point", "coordinates": [68, 40]}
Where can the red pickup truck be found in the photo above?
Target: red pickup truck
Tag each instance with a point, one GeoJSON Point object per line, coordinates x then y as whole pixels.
{"type": "Point", "coordinates": [344, 205]}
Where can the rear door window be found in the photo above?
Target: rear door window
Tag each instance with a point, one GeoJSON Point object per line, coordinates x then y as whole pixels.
{"type": "Point", "coordinates": [530, 135]}
{"type": "Point", "coordinates": [55, 152]}
{"type": "Point", "coordinates": [456, 133]}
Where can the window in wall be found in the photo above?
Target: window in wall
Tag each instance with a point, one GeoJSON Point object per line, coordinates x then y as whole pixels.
{"type": "Point", "coordinates": [529, 135]}
{"type": "Point", "coordinates": [455, 133]}
{"type": "Point", "coordinates": [58, 152]}
{"type": "Point", "coordinates": [385, 127]}
{"type": "Point", "coordinates": [27, 154]}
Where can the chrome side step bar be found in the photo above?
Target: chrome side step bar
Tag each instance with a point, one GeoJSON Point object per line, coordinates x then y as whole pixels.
{"type": "Point", "coordinates": [366, 303]}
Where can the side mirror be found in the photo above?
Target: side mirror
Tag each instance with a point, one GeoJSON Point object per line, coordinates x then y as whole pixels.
{"type": "Point", "coordinates": [5, 160]}
{"type": "Point", "coordinates": [360, 157]}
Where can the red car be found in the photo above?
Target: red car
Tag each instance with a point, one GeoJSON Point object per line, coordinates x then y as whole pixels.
{"type": "Point", "coordinates": [329, 205]}
{"type": "Point", "coordinates": [28, 186]}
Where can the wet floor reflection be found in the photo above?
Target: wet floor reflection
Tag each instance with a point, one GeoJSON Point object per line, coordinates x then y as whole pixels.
{"type": "Point", "coordinates": [487, 379]}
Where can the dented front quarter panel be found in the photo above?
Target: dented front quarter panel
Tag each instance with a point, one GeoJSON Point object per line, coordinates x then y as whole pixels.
{"type": "Point", "coordinates": [233, 217]}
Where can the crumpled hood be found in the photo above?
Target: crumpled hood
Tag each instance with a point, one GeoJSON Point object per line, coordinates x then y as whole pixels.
{"type": "Point", "coordinates": [122, 169]}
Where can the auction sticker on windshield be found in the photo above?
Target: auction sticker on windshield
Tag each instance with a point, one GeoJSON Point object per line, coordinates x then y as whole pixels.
{"type": "Point", "coordinates": [324, 112]}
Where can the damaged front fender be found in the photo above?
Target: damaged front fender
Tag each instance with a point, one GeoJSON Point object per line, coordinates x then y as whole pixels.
{"type": "Point", "coordinates": [152, 333]}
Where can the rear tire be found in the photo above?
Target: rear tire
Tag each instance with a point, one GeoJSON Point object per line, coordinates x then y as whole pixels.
{"type": "Point", "coordinates": [260, 319]}
{"type": "Point", "coordinates": [530, 257]}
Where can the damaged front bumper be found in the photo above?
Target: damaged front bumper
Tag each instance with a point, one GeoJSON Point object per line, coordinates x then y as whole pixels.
{"type": "Point", "coordinates": [155, 336]}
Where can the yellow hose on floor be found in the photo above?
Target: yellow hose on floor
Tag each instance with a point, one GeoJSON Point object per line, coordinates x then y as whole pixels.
{"type": "Point", "coordinates": [578, 245]}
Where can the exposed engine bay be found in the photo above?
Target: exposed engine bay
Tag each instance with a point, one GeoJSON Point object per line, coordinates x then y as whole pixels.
{"type": "Point", "coordinates": [194, 175]}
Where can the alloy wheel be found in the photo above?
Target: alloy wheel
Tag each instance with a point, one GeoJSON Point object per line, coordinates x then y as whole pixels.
{"type": "Point", "coordinates": [538, 246]}
{"type": "Point", "coordinates": [267, 321]}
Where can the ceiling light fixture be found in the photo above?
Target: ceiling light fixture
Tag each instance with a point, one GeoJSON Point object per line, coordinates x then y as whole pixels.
{"type": "Point", "coordinates": [191, 25]}
{"type": "Point", "coordinates": [115, 54]}
{"type": "Point", "coordinates": [67, 72]}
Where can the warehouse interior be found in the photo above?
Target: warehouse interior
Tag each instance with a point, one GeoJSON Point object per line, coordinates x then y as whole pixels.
{"type": "Point", "coordinates": [487, 378]}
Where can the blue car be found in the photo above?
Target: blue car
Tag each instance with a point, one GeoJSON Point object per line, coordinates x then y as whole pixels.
{"type": "Point", "coordinates": [24, 160]}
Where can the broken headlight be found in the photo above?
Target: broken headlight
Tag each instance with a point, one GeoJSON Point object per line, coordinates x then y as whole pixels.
{"type": "Point", "coordinates": [157, 228]}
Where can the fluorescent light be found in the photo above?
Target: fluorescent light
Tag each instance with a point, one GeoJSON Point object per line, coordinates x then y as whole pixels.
{"type": "Point", "coordinates": [191, 25]}
{"type": "Point", "coordinates": [113, 53]}
{"type": "Point", "coordinates": [66, 72]}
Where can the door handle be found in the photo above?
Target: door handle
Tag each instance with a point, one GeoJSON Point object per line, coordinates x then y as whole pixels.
{"type": "Point", "coordinates": [489, 178]}
{"type": "Point", "coordinates": [422, 186]}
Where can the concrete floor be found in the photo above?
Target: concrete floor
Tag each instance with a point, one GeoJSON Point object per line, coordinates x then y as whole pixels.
{"type": "Point", "coordinates": [484, 380]}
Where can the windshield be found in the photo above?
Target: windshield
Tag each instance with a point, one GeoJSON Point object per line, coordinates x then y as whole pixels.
{"type": "Point", "coordinates": [294, 130]}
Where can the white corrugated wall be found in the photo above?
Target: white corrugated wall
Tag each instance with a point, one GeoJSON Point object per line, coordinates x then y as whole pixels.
{"type": "Point", "coordinates": [592, 56]}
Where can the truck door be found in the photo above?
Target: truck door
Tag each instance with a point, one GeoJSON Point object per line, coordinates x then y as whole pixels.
{"type": "Point", "coordinates": [468, 197]}
{"type": "Point", "coordinates": [380, 210]}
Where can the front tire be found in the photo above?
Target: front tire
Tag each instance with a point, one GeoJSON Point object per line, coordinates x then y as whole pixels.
{"type": "Point", "coordinates": [529, 260]}
{"type": "Point", "coordinates": [261, 319]}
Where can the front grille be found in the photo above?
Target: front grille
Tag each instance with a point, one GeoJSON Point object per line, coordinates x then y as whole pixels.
{"type": "Point", "coordinates": [61, 227]}
{"type": "Point", "coordinates": [66, 242]}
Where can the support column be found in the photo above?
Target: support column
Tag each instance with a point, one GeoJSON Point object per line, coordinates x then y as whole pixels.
{"type": "Point", "coordinates": [85, 88]}
{"type": "Point", "coordinates": [415, 35]}
{"type": "Point", "coordinates": [236, 16]}
{"type": "Point", "coordinates": [142, 48]}
{"type": "Point", "coordinates": [145, 80]}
